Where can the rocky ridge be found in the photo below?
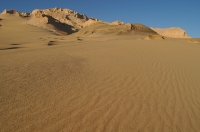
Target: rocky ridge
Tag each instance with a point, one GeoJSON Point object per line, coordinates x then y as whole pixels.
{"type": "Point", "coordinates": [66, 21]}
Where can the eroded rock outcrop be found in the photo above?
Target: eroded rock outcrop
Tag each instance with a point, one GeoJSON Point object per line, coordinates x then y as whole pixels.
{"type": "Point", "coordinates": [40, 19]}
{"type": "Point", "coordinates": [90, 21]}
{"type": "Point", "coordinates": [174, 32]}
{"type": "Point", "coordinates": [107, 28]}
{"type": "Point", "coordinates": [117, 23]}
{"type": "Point", "coordinates": [66, 16]}
{"type": "Point", "coordinates": [10, 12]}
{"type": "Point", "coordinates": [141, 28]}
{"type": "Point", "coordinates": [69, 21]}
{"type": "Point", "coordinates": [14, 12]}
{"type": "Point", "coordinates": [56, 19]}
{"type": "Point", "coordinates": [66, 21]}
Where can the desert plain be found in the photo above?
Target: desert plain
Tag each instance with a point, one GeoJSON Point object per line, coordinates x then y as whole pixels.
{"type": "Point", "coordinates": [101, 78]}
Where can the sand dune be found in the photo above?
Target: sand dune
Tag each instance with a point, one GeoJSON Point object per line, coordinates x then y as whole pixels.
{"type": "Point", "coordinates": [15, 32]}
{"type": "Point", "coordinates": [109, 82]}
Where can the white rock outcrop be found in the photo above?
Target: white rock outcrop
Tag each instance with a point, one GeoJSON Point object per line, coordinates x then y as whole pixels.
{"type": "Point", "coordinates": [117, 23]}
{"type": "Point", "coordinates": [56, 19]}
{"type": "Point", "coordinates": [66, 16]}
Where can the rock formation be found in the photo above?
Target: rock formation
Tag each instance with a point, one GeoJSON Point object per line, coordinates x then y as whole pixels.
{"type": "Point", "coordinates": [56, 19]}
{"type": "Point", "coordinates": [21, 14]}
{"type": "Point", "coordinates": [71, 20]}
{"type": "Point", "coordinates": [10, 12]}
{"type": "Point", "coordinates": [141, 28]}
{"type": "Point", "coordinates": [66, 16]}
{"type": "Point", "coordinates": [117, 23]}
{"type": "Point", "coordinates": [173, 32]}
{"type": "Point", "coordinates": [107, 28]}
{"type": "Point", "coordinates": [90, 21]}
{"type": "Point", "coordinates": [66, 21]}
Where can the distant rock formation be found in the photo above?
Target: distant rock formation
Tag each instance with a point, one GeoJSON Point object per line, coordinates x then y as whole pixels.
{"type": "Point", "coordinates": [141, 28]}
{"type": "Point", "coordinates": [174, 32]}
{"type": "Point", "coordinates": [71, 20]}
{"type": "Point", "coordinates": [21, 14]}
{"type": "Point", "coordinates": [66, 21]}
{"type": "Point", "coordinates": [117, 23]}
{"type": "Point", "coordinates": [66, 16]}
{"type": "Point", "coordinates": [10, 12]}
{"type": "Point", "coordinates": [107, 28]}
{"type": "Point", "coordinates": [90, 21]}
{"type": "Point", "coordinates": [40, 19]}
{"type": "Point", "coordinates": [56, 19]}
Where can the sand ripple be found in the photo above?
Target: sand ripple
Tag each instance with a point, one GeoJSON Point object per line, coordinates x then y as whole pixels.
{"type": "Point", "coordinates": [118, 85]}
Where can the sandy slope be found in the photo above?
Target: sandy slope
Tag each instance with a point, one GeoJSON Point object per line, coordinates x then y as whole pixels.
{"type": "Point", "coordinates": [104, 83]}
{"type": "Point", "coordinates": [16, 33]}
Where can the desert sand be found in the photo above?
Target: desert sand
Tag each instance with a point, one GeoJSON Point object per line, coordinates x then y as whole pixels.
{"type": "Point", "coordinates": [96, 80]}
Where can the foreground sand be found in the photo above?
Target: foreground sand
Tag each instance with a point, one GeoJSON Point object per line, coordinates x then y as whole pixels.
{"type": "Point", "coordinates": [97, 83]}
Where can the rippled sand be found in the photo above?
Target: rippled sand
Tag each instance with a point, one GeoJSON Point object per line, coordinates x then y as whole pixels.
{"type": "Point", "coordinates": [55, 83]}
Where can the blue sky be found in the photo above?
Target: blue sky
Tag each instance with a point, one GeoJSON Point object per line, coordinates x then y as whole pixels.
{"type": "Point", "coordinates": [152, 13]}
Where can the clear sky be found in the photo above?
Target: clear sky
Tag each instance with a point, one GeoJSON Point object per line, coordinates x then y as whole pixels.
{"type": "Point", "coordinates": [152, 13]}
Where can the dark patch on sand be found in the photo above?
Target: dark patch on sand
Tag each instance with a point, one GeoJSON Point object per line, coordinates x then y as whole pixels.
{"type": "Point", "coordinates": [51, 43]}
{"type": "Point", "coordinates": [10, 48]}
{"type": "Point", "coordinates": [15, 44]}
{"type": "Point", "coordinates": [79, 39]}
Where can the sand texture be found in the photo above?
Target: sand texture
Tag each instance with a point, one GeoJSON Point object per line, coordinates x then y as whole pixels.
{"type": "Point", "coordinates": [96, 83]}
